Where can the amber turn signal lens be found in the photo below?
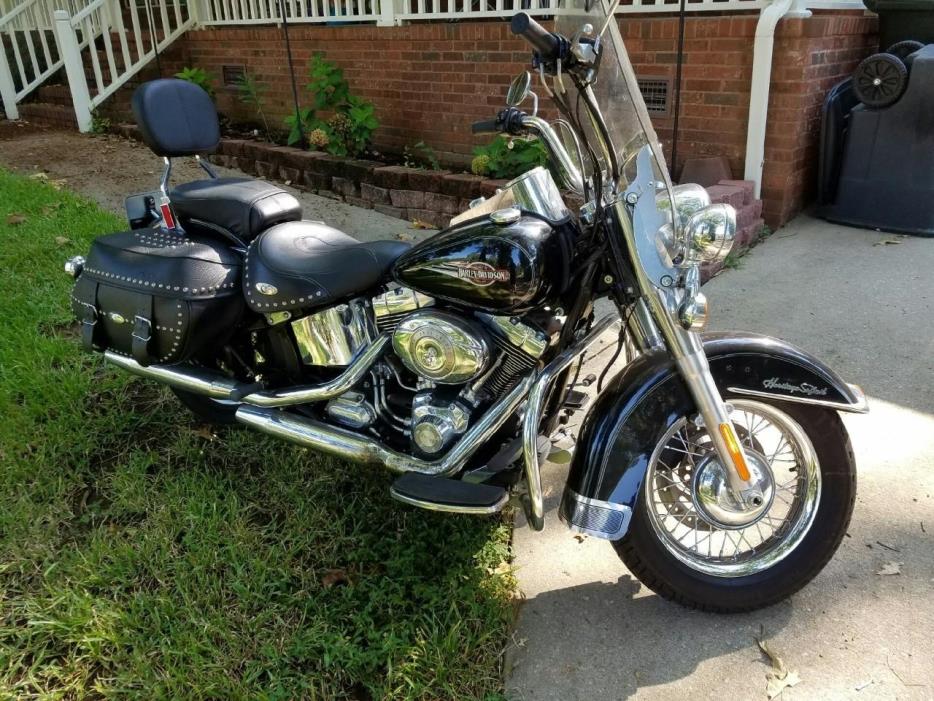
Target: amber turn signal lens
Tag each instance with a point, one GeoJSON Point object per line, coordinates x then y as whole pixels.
{"type": "Point", "coordinates": [732, 445]}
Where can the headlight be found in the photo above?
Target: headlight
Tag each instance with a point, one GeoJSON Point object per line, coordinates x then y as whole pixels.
{"type": "Point", "coordinates": [711, 232]}
{"type": "Point", "coordinates": [685, 201]}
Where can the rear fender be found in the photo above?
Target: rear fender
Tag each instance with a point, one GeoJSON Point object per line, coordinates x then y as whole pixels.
{"type": "Point", "coordinates": [646, 399]}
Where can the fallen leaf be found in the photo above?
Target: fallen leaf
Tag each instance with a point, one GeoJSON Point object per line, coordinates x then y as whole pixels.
{"type": "Point", "coordinates": [288, 182]}
{"type": "Point", "coordinates": [888, 242]}
{"type": "Point", "coordinates": [779, 677]}
{"type": "Point", "coordinates": [890, 568]}
{"type": "Point", "coordinates": [333, 578]}
{"type": "Point", "coordinates": [888, 547]}
{"type": "Point", "coordinates": [205, 432]}
{"type": "Point", "coordinates": [15, 219]}
{"type": "Point", "coordinates": [57, 184]}
{"type": "Point", "coordinates": [579, 538]}
{"type": "Point", "coordinates": [862, 686]}
{"type": "Point", "coordinates": [61, 240]}
{"type": "Point", "coordinates": [39, 176]}
{"type": "Point", "coordinates": [419, 224]}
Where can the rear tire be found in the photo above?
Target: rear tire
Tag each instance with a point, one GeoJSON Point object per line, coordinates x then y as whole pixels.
{"type": "Point", "coordinates": [209, 410]}
{"type": "Point", "coordinates": [653, 562]}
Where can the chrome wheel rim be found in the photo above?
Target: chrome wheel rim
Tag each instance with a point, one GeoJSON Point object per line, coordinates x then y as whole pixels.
{"type": "Point", "coordinates": [775, 441]}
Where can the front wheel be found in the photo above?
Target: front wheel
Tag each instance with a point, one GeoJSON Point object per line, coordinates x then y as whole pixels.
{"type": "Point", "coordinates": [692, 543]}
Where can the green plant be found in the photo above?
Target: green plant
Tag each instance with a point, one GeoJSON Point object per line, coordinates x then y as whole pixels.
{"type": "Point", "coordinates": [508, 157]}
{"type": "Point", "coordinates": [199, 77]}
{"type": "Point", "coordinates": [326, 83]}
{"type": "Point", "coordinates": [250, 92]}
{"type": "Point", "coordinates": [420, 156]}
{"type": "Point", "coordinates": [298, 123]}
{"type": "Point", "coordinates": [352, 122]}
{"type": "Point", "coordinates": [99, 123]}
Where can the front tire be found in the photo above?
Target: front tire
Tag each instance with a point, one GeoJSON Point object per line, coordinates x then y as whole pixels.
{"type": "Point", "coordinates": [673, 560]}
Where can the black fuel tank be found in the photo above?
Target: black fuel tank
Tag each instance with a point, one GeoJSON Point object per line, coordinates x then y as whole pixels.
{"type": "Point", "coordinates": [491, 267]}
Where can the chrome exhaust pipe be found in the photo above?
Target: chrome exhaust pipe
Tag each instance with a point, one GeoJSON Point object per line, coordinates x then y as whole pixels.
{"type": "Point", "coordinates": [340, 443]}
{"type": "Point", "coordinates": [216, 386]}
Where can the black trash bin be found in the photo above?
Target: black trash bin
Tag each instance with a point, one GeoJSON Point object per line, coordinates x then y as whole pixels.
{"type": "Point", "coordinates": [903, 20]}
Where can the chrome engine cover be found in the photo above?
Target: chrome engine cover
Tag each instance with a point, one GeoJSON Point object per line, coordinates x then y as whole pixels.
{"type": "Point", "coordinates": [333, 336]}
{"type": "Point", "coordinates": [441, 347]}
{"type": "Point", "coordinates": [436, 423]}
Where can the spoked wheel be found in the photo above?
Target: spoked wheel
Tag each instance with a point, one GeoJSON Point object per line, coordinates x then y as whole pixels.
{"type": "Point", "coordinates": [880, 80]}
{"type": "Point", "coordinates": [691, 541]}
{"type": "Point", "coordinates": [904, 49]}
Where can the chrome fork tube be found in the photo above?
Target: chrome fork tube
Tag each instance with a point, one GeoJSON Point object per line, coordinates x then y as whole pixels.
{"type": "Point", "coordinates": [688, 353]}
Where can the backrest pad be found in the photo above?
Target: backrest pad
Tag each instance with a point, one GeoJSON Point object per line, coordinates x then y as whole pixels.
{"type": "Point", "coordinates": [176, 118]}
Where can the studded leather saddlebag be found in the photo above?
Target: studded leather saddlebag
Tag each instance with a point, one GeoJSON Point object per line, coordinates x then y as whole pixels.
{"type": "Point", "coordinates": [157, 296]}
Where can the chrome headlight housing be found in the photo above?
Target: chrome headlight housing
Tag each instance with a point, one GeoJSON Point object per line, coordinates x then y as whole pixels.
{"type": "Point", "coordinates": [684, 202]}
{"type": "Point", "coordinates": [711, 232]}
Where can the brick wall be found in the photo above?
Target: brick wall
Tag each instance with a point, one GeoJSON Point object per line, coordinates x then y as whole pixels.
{"type": "Point", "coordinates": [429, 82]}
{"type": "Point", "coordinates": [811, 56]}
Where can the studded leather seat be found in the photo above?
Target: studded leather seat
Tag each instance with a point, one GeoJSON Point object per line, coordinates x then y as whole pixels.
{"type": "Point", "coordinates": [305, 264]}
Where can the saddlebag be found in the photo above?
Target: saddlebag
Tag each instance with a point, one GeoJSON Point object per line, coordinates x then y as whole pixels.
{"type": "Point", "coordinates": [157, 296]}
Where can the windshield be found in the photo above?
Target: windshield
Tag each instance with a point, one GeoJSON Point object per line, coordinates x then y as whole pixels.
{"type": "Point", "coordinates": [616, 90]}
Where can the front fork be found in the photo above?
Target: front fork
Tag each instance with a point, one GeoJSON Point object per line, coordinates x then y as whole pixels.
{"type": "Point", "coordinates": [654, 320]}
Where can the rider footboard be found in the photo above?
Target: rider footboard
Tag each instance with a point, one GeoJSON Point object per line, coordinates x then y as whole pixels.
{"type": "Point", "coordinates": [157, 296]}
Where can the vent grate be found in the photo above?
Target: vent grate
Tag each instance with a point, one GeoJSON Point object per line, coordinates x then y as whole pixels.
{"type": "Point", "coordinates": [233, 74]}
{"type": "Point", "coordinates": [655, 92]}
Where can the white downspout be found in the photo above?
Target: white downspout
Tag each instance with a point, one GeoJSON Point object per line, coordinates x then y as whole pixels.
{"type": "Point", "coordinates": [761, 79]}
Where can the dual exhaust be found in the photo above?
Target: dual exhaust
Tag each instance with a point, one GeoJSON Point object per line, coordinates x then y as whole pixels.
{"type": "Point", "coordinates": [260, 410]}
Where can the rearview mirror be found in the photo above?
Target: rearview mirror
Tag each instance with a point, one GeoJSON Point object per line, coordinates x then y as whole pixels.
{"type": "Point", "coordinates": [519, 89]}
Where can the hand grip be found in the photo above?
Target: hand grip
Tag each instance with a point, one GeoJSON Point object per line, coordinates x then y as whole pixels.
{"type": "Point", "coordinates": [486, 126]}
{"type": "Point", "coordinates": [543, 41]}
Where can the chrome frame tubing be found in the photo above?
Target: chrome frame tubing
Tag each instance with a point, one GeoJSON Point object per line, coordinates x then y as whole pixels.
{"type": "Point", "coordinates": [535, 407]}
{"type": "Point", "coordinates": [688, 353]}
{"type": "Point", "coordinates": [570, 174]}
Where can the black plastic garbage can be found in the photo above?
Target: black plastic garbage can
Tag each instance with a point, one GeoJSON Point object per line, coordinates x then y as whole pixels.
{"type": "Point", "coordinates": [901, 20]}
{"type": "Point", "coordinates": [876, 166]}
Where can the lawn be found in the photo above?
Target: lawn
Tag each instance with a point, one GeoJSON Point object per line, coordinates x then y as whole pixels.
{"type": "Point", "coordinates": [144, 555]}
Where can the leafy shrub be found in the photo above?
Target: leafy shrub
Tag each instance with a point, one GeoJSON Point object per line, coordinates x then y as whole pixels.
{"type": "Point", "coordinates": [350, 127]}
{"type": "Point", "coordinates": [99, 123]}
{"type": "Point", "coordinates": [251, 92]}
{"type": "Point", "coordinates": [508, 157]}
{"type": "Point", "coordinates": [420, 156]}
{"type": "Point", "coordinates": [199, 77]}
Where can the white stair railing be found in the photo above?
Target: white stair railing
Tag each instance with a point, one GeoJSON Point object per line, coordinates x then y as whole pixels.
{"type": "Point", "coordinates": [29, 53]}
{"type": "Point", "coordinates": [129, 37]}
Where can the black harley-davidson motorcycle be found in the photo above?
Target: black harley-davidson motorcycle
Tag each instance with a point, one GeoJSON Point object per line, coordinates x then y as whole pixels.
{"type": "Point", "coordinates": [717, 464]}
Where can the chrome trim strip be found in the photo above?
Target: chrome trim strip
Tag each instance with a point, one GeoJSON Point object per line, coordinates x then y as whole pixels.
{"type": "Point", "coordinates": [355, 447]}
{"type": "Point", "coordinates": [451, 508]}
{"type": "Point", "coordinates": [861, 406]}
{"type": "Point", "coordinates": [533, 415]}
{"type": "Point", "coordinates": [582, 502]}
{"type": "Point", "coordinates": [217, 386]}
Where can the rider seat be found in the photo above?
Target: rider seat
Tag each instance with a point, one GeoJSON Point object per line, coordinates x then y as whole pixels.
{"type": "Point", "coordinates": [309, 264]}
{"type": "Point", "coordinates": [178, 118]}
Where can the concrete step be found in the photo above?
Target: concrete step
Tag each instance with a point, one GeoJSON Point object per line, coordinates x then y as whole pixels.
{"type": "Point", "coordinates": [48, 114]}
{"type": "Point", "coordinates": [54, 95]}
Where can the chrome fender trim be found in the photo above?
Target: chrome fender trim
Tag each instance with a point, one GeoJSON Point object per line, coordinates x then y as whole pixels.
{"type": "Point", "coordinates": [533, 414]}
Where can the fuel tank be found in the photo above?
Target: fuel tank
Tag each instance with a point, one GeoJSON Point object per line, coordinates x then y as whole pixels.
{"type": "Point", "coordinates": [493, 267]}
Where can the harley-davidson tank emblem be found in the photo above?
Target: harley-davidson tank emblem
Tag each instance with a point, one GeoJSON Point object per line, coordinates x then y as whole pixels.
{"type": "Point", "coordinates": [475, 272]}
{"type": "Point", "coordinates": [482, 274]}
{"type": "Point", "coordinates": [803, 388]}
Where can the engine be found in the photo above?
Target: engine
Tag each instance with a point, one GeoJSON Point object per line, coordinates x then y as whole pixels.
{"type": "Point", "coordinates": [445, 367]}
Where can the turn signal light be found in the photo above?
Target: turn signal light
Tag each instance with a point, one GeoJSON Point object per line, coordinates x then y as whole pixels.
{"type": "Point", "coordinates": [732, 445]}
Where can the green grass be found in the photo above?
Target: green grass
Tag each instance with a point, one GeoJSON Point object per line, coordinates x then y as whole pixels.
{"type": "Point", "coordinates": [143, 557]}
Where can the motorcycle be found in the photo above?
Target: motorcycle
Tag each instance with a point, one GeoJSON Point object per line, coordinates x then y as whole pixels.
{"type": "Point", "coordinates": [716, 464]}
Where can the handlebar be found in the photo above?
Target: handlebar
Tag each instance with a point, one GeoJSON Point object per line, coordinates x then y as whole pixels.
{"type": "Point", "coordinates": [544, 42]}
{"type": "Point", "coordinates": [487, 126]}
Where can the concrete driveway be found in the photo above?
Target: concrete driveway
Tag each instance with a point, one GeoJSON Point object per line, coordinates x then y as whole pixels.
{"type": "Point", "coordinates": [589, 630]}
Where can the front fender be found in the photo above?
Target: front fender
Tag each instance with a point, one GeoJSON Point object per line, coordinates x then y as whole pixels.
{"type": "Point", "coordinates": [642, 402]}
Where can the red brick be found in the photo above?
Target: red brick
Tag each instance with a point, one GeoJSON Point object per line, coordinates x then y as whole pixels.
{"type": "Point", "coordinates": [727, 195]}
